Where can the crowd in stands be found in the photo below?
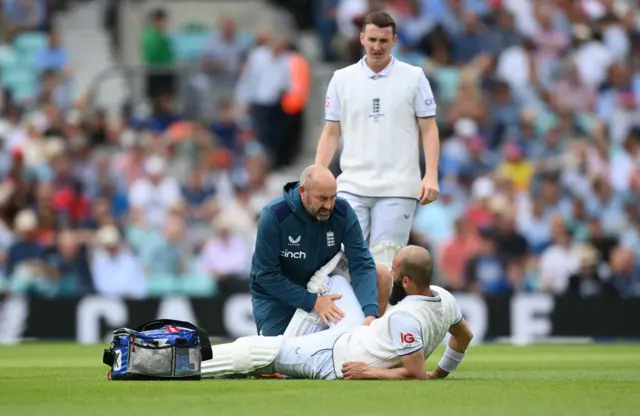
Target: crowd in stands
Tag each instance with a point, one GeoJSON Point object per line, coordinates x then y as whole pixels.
{"type": "Point", "coordinates": [141, 205]}
{"type": "Point", "coordinates": [539, 117]}
{"type": "Point", "coordinates": [538, 109]}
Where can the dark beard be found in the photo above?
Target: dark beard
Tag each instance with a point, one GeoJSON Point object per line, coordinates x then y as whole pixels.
{"type": "Point", "coordinates": [397, 293]}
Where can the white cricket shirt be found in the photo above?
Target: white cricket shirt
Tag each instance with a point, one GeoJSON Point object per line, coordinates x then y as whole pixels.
{"type": "Point", "coordinates": [415, 322]}
{"type": "Point", "coordinates": [378, 117]}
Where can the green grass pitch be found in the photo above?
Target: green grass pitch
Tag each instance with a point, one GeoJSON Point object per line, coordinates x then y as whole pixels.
{"type": "Point", "coordinates": [67, 379]}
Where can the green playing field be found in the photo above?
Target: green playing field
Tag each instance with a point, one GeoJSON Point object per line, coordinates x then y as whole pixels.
{"type": "Point", "coordinates": [67, 379]}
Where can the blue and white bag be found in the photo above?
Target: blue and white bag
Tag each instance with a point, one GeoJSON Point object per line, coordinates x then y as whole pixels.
{"type": "Point", "coordinates": [163, 349]}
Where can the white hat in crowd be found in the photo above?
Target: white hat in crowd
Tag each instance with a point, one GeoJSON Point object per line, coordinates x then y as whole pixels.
{"type": "Point", "coordinates": [26, 220]}
{"type": "Point", "coordinates": [465, 127]}
{"type": "Point", "coordinates": [482, 188]}
{"type": "Point", "coordinates": [155, 165]}
{"type": "Point", "coordinates": [108, 236]}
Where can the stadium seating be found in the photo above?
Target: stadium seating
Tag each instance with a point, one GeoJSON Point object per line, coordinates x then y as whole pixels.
{"type": "Point", "coordinates": [18, 65]}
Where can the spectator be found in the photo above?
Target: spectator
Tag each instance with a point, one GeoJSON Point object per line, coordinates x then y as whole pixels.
{"type": "Point", "coordinates": [225, 127]}
{"type": "Point", "coordinates": [516, 167]}
{"type": "Point", "coordinates": [325, 11]}
{"type": "Point", "coordinates": [156, 193]}
{"type": "Point", "coordinates": [455, 254]}
{"type": "Point", "coordinates": [559, 261]}
{"type": "Point", "coordinates": [158, 55]}
{"type": "Point", "coordinates": [625, 279]}
{"type": "Point", "coordinates": [509, 242]}
{"type": "Point", "coordinates": [435, 223]}
{"type": "Point", "coordinates": [224, 56]}
{"type": "Point", "coordinates": [25, 255]}
{"type": "Point", "coordinates": [505, 34]}
{"type": "Point", "coordinates": [24, 15]}
{"type": "Point", "coordinates": [603, 242]}
{"type": "Point", "coordinates": [535, 226]}
{"type": "Point", "coordinates": [485, 271]}
{"type": "Point", "coordinates": [264, 80]}
{"type": "Point", "coordinates": [473, 41]}
{"type": "Point", "coordinates": [293, 104]}
{"type": "Point", "coordinates": [55, 58]}
{"type": "Point", "coordinates": [571, 92]}
{"type": "Point", "coordinates": [225, 255]}
{"type": "Point", "coordinates": [70, 260]}
{"type": "Point", "coordinates": [587, 282]}
{"type": "Point", "coordinates": [479, 210]}
{"type": "Point", "coordinates": [165, 254]}
{"type": "Point", "coordinates": [116, 271]}
{"type": "Point", "coordinates": [481, 160]}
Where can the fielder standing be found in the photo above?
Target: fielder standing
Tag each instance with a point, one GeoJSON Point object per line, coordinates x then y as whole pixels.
{"type": "Point", "coordinates": [383, 109]}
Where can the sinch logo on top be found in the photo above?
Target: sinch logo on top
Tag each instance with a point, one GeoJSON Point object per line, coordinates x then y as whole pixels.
{"type": "Point", "coordinates": [293, 254]}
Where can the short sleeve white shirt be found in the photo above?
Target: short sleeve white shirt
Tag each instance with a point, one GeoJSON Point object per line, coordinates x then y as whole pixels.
{"type": "Point", "coordinates": [405, 333]}
{"type": "Point", "coordinates": [381, 135]}
{"type": "Point", "coordinates": [424, 103]}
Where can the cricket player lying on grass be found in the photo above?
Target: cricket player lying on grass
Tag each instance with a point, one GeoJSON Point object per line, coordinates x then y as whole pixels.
{"type": "Point", "coordinates": [394, 346]}
{"type": "Point", "coordinates": [298, 249]}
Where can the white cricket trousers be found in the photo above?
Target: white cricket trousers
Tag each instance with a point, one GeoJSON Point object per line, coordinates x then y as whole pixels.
{"type": "Point", "coordinates": [311, 356]}
{"type": "Point", "coordinates": [383, 219]}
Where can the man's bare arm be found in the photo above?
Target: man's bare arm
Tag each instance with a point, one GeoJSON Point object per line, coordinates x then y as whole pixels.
{"type": "Point", "coordinates": [430, 136]}
{"type": "Point", "coordinates": [412, 369]}
{"type": "Point", "coordinates": [461, 336]}
{"type": "Point", "coordinates": [328, 143]}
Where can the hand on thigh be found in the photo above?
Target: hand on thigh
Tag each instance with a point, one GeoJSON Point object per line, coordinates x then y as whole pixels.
{"type": "Point", "coordinates": [353, 315]}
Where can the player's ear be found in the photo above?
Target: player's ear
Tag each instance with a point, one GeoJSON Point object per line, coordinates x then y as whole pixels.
{"type": "Point", "coordinates": [362, 38]}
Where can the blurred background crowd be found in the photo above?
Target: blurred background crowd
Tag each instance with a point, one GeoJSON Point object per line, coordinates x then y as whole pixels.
{"type": "Point", "coordinates": [538, 110]}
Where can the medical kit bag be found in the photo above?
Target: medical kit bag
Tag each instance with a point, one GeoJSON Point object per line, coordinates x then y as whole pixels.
{"type": "Point", "coordinates": [163, 349]}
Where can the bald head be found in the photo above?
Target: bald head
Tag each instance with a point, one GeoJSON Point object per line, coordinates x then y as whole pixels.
{"type": "Point", "coordinates": [316, 174]}
{"type": "Point", "coordinates": [415, 263]}
{"type": "Point", "coordinates": [318, 190]}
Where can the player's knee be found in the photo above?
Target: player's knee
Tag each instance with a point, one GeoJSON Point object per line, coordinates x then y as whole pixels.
{"type": "Point", "coordinates": [384, 280]}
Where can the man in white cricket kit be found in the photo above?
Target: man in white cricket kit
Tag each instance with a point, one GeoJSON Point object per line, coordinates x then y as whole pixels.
{"type": "Point", "coordinates": [394, 346]}
{"type": "Point", "coordinates": [383, 109]}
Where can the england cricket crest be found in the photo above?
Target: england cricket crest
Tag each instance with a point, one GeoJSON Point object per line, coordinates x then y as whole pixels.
{"type": "Point", "coordinates": [375, 111]}
{"type": "Point", "coordinates": [331, 241]}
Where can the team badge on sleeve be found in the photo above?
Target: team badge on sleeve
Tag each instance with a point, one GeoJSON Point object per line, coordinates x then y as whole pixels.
{"type": "Point", "coordinates": [407, 339]}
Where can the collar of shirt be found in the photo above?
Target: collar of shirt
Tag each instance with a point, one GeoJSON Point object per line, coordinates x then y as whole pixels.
{"type": "Point", "coordinates": [434, 298]}
{"type": "Point", "coordinates": [373, 75]}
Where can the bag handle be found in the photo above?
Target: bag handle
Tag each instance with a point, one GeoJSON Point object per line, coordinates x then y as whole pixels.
{"type": "Point", "coordinates": [205, 344]}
